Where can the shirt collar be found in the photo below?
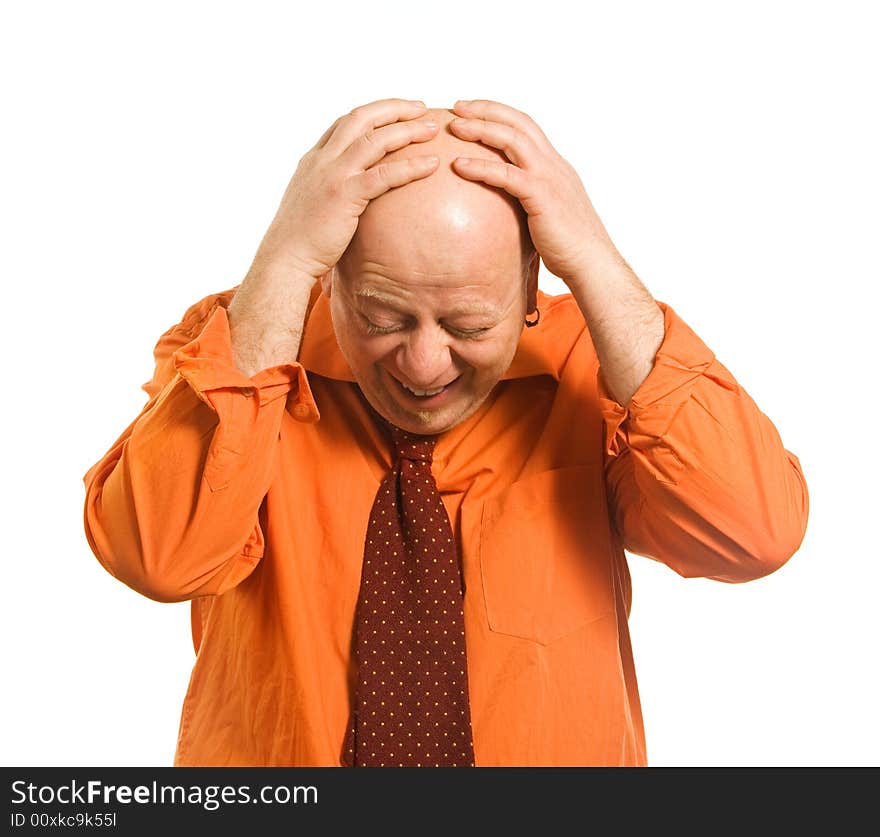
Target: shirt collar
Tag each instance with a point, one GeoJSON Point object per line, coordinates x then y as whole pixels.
{"type": "Point", "coordinates": [319, 352]}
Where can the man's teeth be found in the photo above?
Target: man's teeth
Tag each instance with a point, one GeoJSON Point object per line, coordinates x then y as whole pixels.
{"type": "Point", "coordinates": [423, 392]}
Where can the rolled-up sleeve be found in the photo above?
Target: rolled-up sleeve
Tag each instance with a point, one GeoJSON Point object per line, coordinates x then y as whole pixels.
{"type": "Point", "coordinates": [172, 508]}
{"type": "Point", "coordinates": [697, 475]}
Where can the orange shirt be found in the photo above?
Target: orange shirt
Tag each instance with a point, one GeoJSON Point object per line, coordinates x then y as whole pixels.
{"type": "Point", "coordinates": [250, 497]}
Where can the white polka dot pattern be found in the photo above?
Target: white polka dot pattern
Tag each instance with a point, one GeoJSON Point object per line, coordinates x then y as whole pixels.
{"type": "Point", "coordinates": [411, 703]}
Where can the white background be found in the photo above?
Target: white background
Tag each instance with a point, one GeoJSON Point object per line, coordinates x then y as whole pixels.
{"type": "Point", "coordinates": [732, 153]}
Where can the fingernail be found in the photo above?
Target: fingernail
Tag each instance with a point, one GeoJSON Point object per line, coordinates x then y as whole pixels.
{"type": "Point", "coordinates": [430, 123]}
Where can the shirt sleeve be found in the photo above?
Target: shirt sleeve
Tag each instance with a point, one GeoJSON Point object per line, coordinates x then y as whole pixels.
{"type": "Point", "coordinates": [697, 475]}
{"type": "Point", "coordinates": [172, 508]}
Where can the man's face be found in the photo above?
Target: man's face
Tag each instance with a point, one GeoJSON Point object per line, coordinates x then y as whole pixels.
{"type": "Point", "coordinates": [429, 299]}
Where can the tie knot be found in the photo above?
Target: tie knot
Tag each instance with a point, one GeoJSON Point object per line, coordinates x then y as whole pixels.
{"type": "Point", "coordinates": [410, 446]}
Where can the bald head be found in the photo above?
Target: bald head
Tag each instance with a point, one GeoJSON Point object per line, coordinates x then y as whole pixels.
{"type": "Point", "coordinates": [429, 298]}
{"type": "Point", "coordinates": [443, 221]}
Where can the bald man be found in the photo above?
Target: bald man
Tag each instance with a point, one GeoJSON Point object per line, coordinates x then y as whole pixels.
{"type": "Point", "coordinates": [396, 480]}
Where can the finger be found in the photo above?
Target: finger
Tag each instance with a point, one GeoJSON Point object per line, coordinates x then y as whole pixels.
{"type": "Point", "coordinates": [326, 135]}
{"type": "Point", "coordinates": [373, 115]}
{"type": "Point", "coordinates": [494, 173]}
{"type": "Point", "coordinates": [372, 146]}
{"type": "Point", "coordinates": [517, 146]}
{"type": "Point", "coordinates": [379, 179]}
{"type": "Point", "coordinates": [499, 112]}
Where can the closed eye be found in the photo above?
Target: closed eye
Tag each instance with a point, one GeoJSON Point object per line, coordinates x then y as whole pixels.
{"type": "Point", "coordinates": [465, 333]}
{"type": "Point", "coordinates": [372, 328]}
{"type": "Point", "coordinates": [469, 333]}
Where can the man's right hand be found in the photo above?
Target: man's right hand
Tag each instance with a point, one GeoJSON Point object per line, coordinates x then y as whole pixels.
{"type": "Point", "coordinates": [337, 178]}
{"type": "Point", "coordinates": [333, 184]}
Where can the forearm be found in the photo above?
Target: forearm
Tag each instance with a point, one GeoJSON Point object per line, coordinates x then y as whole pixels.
{"type": "Point", "coordinates": [625, 322]}
{"type": "Point", "coordinates": [266, 318]}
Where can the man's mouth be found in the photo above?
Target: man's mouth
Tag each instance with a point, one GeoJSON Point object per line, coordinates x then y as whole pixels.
{"type": "Point", "coordinates": [427, 397]}
{"type": "Point", "coordinates": [423, 392]}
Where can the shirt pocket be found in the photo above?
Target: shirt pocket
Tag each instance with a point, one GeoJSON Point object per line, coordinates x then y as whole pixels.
{"type": "Point", "coordinates": [545, 554]}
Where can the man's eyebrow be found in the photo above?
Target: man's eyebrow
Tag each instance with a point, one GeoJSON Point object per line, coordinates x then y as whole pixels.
{"type": "Point", "coordinates": [474, 308]}
{"type": "Point", "coordinates": [373, 295]}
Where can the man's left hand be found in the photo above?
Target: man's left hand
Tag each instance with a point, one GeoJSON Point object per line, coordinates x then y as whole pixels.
{"type": "Point", "coordinates": [564, 227]}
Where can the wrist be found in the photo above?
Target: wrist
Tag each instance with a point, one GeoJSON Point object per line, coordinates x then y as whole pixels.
{"type": "Point", "coordinates": [270, 293]}
{"type": "Point", "coordinates": [279, 272]}
{"type": "Point", "coordinates": [286, 259]}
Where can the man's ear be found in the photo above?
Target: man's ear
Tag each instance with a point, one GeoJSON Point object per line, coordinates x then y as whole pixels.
{"type": "Point", "coordinates": [327, 281]}
{"type": "Point", "coordinates": [532, 281]}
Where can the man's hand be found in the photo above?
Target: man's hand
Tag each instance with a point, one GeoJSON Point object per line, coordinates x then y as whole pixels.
{"type": "Point", "coordinates": [564, 227]}
{"type": "Point", "coordinates": [626, 324]}
{"type": "Point", "coordinates": [338, 177]}
{"type": "Point", "coordinates": [333, 183]}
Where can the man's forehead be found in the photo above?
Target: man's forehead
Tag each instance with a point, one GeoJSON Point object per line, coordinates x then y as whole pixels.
{"type": "Point", "coordinates": [472, 302]}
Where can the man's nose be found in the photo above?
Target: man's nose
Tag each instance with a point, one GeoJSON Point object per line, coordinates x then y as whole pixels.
{"type": "Point", "coordinates": [424, 357]}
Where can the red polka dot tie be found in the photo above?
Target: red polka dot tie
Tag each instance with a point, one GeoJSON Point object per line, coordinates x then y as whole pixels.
{"type": "Point", "coordinates": [411, 705]}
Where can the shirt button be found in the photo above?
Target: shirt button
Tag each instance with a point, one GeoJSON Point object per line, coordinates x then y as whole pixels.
{"type": "Point", "coordinates": [248, 391]}
{"type": "Point", "coordinates": [301, 411]}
